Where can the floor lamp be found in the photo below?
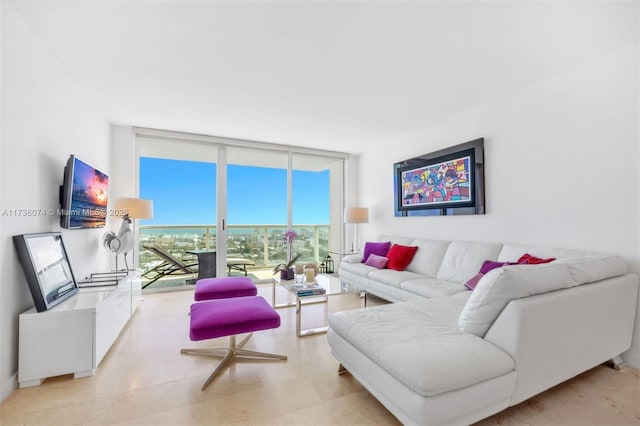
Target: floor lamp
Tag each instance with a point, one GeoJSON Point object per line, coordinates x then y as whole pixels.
{"type": "Point", "coordinates": [356, 215]}
{"type": "Point", "coordinates": [124, 241]}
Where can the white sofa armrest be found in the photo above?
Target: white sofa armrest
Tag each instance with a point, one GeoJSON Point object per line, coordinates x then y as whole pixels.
{"type": "Point", "coordinates": [555, 336]}
{"type": "Point", "coordinates": [352, 258]}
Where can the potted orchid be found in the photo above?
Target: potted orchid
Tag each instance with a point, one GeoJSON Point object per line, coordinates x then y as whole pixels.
{"type": "Point", "coordinates": [286, 272]}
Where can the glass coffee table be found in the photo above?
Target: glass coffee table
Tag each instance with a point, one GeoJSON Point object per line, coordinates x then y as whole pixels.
{"type": "Point", "coordinates": [333, 286]}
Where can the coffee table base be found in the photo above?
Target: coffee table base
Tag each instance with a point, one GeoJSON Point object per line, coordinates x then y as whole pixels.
{"type": "Point", "coordinates": [310, 300]}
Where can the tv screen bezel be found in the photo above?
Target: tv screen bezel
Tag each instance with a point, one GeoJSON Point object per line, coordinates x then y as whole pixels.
{"type": "Point", "coordinates": [67, 197]}
{"type": "Point", "coordinates": [40, 289]}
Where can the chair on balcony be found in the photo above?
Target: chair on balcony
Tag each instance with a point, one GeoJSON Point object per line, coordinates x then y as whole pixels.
{"type": "Point", "coordinates": [239, 264]}
{"type": "Point", "coordinates": [170, 265]}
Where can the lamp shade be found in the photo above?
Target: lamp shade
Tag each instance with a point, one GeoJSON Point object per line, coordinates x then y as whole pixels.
{"type": "Point", "coordinates": [356, 215]}
{"type": "Point", "coordinates": [135, 208]}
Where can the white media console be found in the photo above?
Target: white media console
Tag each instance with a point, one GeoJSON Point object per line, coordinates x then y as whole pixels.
{"type": "Point", "coordinates": [74, 336]}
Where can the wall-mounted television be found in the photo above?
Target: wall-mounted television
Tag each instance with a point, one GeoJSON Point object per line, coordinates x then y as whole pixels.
{"type": "Point", "coordinates": [46, 267]}
{"type": "Point", "coordinates": [83, 195]}
{"type": "Point", "coordinates": [445, 182]}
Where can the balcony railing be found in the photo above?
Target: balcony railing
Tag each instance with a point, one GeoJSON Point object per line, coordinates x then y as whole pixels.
{"type": "Point", "coordinates": [261, 243]}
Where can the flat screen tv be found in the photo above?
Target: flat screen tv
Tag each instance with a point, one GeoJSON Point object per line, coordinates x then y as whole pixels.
{"type": "Point", "coordinates": [83, 195]}
{"type": "Point", "coordinates": [46, 267]}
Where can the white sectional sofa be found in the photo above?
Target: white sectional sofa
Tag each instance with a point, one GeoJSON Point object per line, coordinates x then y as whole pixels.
{"type": "Point", "coordinates": [447, 355]}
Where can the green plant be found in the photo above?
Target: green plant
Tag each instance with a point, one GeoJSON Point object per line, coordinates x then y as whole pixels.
{"type": "Point", "coordinates": [285, 266]}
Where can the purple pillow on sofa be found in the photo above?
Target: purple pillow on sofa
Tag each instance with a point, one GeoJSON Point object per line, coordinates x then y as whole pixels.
{"type": "Point", "coordinates": [488, 265]}
{"type": "Point", "coordinates": [381, 249]}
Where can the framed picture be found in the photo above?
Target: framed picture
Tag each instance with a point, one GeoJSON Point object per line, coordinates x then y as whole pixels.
{"type": "Point", "coordinates": [46, 267]}
{"type": "Point", "coordinates": [449, 181]}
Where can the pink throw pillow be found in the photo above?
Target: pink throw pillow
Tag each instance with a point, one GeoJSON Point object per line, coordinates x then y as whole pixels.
{"type": "Point", "coordinates": [376, 261]}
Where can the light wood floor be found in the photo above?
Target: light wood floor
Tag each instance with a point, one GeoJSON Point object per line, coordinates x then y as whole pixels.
{"type": "Point", "coordinates": [144, 380]}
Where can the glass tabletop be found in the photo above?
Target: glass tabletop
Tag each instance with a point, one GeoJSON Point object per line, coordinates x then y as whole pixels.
{"type": "Point", "coordinates": [332, 285]}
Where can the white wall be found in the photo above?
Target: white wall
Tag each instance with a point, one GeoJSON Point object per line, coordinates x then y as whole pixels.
{"type": "Point", "coordinates": [561, 163]}
{"type": "Point", "coordinates": [45, 118]}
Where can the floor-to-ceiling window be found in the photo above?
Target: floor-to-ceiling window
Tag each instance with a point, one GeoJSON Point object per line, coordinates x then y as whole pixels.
{"type": "Point", "coordinates": [237, 199]}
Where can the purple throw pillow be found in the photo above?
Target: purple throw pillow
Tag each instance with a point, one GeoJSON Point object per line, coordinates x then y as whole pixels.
{"type": "Point", "coordinates": [381, 249]}
{"type": "Point", "coordinates": [376, 261]}
{"type": "Point", "coordinates": [490, 265]}
{"type": "Point", "coordinates": [487, 265]}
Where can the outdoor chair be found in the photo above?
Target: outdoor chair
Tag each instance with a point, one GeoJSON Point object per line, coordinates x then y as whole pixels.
{"type": "Point", "coordinates": [171, 265]}
{"type": "Point", "coordinates": [239, 264]}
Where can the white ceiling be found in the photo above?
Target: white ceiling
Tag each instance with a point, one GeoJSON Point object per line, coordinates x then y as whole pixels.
{"type": "Point", "coordinates": [333, 75]}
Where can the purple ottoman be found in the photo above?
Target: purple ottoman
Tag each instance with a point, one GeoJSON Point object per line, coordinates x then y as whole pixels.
{"type": "Point", "coordinates": [229, 317]}
{"type": "Point", "coordinates": [224, 288]}
{"type": "Point", "coordinates": [225, 317]}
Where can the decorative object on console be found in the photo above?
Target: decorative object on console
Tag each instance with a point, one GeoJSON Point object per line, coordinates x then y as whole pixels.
{"type": "Point", "coordinates": [356, 215]}
{"type": "Point", "coordinates": [124, 241]}
{"type": "Point", "coordinates": [400, 256]}
{"type": "Point", "coordinates": [445, 182]}
{"type": "Point", "coordinates": [46, 267]}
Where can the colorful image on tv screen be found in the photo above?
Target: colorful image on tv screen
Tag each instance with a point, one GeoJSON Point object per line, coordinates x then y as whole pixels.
{"type": "Point", "coordinates": [438, 183]}
{"type": "Point", "coordinates": [89, 198]}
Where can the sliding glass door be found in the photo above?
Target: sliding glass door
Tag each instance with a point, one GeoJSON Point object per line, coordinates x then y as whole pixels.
{"type": "Point", "coordinates": [181, 179]}
{"type": "Point", "coordinates": [256, 199]}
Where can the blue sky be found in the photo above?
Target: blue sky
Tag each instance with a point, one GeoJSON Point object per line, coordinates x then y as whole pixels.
{"type": "Point", "coordinates": [183, 193]}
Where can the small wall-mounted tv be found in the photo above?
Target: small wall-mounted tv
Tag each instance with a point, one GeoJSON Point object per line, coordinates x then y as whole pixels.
{"type": "Point", "coordinates": [46, 266]}
{"type": "Point", "coordinates": [83, 195]}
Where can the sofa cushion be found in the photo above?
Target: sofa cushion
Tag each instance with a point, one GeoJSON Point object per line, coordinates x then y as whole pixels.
{"type": "Point", "coordinates": [420, 345]}
{"type": "Point", "coordinates": [400, 256]}
{"type": "Point", "coordinates": [429, 256]}
{"type": "Point", "coordinates": [358, 268]}
{"type": "Point", "coordinates": [431, 287]}
{"type": "Point", "coordinates": [381, 249]}
{"type": "Point", "coordinates": [498, 287]}
{"type": "Point", "coordinates": [464, 259]}
{"type": "Point", "coordinates": [376, 261]}
{"type": "Point", "coordinates": [392, 277]}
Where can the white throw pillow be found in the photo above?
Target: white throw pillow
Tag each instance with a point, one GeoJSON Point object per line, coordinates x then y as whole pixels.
{"type": "Point", "coordinates": [498, 287]}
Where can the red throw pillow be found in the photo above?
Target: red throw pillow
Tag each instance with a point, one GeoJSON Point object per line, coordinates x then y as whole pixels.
{"type": "Point", "coordinates": [400, 256]}
{"type": "Point", "coordinates": [527, 259]}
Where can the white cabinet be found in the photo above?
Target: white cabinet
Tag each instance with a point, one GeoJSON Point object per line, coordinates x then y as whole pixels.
{"type": "Point", "coordinates": [75, 335]}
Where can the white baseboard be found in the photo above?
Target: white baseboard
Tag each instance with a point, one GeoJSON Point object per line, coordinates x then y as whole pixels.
{"type": "Point", "coordinates": [9, 386]}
